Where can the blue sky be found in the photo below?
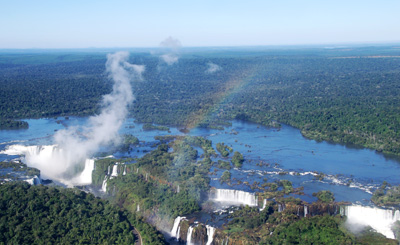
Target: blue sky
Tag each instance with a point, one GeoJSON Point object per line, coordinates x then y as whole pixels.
{"type": "Point", "coordinates": [117, 23]}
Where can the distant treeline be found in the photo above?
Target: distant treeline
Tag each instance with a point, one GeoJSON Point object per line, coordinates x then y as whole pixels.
{"type": "Point", "coordinates": [345, 96]}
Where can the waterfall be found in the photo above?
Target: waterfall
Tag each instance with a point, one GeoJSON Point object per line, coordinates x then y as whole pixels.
{"type": "Point", "coordinates": [210, 234]}
{"type": "Point", "coordinates": [85, 178]}
{"type": "Point", "coordinates": [137, 170]}
{"type": "Point", "coordinates": [298, 211]}
{"type": "Point", "coordinates": [264, 205]}
{"type": "Point", "coordinates": [234, 197]}
{"type": "Point", "coordinates": [34, 181]}
{"type": "Point", "coordinates": [138, 208]}
{"type": "Point", "coordinates": [189, 236]}
{"type": "Point", "coordinates": [178, 234]}
{"type": "Point", "coordinates": [177, 191]}
{"type": "Point", "coordinates": [342, 211]}
{"type": "Point", "coordinates": [397, 215]}
{"type": "Point", "coordinates": [281, 207]}
{"type": "Point", "coordinates": [379, 219]}
{"type": "Point", "coordinates": [124, 173]}
{"type": "Point", "coordinates": [29, 151]}
{"type": "Point", "coordinates": [104, 185]}
{"type": "Point", "coordinates": [176, 228]}
{"type": "Point", "coordinates": [115, 170]}
{"type": "Point", "coordinates": [43, 158]}
{"type": "Point", "coordinates": [305, 211]}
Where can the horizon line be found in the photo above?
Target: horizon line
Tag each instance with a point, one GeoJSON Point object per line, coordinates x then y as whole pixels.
{"type": "Point", "coordinates": [332, 45]}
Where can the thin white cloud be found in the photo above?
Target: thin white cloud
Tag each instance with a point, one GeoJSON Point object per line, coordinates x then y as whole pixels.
{"type": "Point", "coordinates": [212, 68]}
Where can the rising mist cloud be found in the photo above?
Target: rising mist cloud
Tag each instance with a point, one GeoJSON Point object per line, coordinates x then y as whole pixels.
{"type": "Point", "coordinates": [171, 47]}
{"type": "Point", "coordinates": [76, 144]}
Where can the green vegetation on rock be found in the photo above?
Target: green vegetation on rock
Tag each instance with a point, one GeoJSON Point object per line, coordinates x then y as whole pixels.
{"type": "Point", "coordinates": [387, 196]}
{"type": "Point", "coordinates": [325, 196]}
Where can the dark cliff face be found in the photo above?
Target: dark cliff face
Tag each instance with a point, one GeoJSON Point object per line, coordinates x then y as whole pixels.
{"type": "Point", "coordinates": [305, 210]}
{"type": "Point", "coordinates": [199, 235]}
{"type": "Point", "coordinates": [184, 226]}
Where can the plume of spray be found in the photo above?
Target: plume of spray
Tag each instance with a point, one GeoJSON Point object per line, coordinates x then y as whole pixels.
{"type": "Point", "coordinates": [171, 46]}
{"type": "Point", "coordinates": [75, 144]}
{"type": "Point", "coordinates": [212, 68]}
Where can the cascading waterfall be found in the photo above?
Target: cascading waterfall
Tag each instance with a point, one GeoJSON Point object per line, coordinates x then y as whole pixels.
{"type": "Point", "coordinates": [210, 234]}
{"type": "Point", "coordinates": [281, 207]}
{"type": "Point", "coordinates": [29, 151]}
{"type": "Point", "coordinates": [41, 157]}
{"type": "Point", "coordinates": [85, 178]}
{"type": "Point", "coordinates": [305, 211]}
{"type": "Point", "coordinates": [379, 219]}
{"type": "Point", "coordinates": [115, 170]}
{"type": "Point", "coordinates": [124, 173]}
{"type": "Point", "coordinates": [138, 208]}
{"type": "Point", "coordinates": [264, 205]}
{"type": "Point", "coordinates": [176, 227]}
{"type": "Point", "coordinates": [189, 236]}
{"type": "Point", "coordinates": [234, 197]}
{"type": "Point", "coordinates": [34, 181]}
{"type": "Point", "coordinates": [109, 170]}
{"type": "Point", "coordinates": [104, 185]}
{"type": "Point", "coordinates": [178, 234]}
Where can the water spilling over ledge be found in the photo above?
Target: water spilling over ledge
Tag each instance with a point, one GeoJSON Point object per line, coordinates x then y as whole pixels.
{"type": "Point", "coordinates": [44, 157]}
{"type": "Point", "coordinates": [379, 219]}
{"type": "Point", "coordinates": [233, 197]}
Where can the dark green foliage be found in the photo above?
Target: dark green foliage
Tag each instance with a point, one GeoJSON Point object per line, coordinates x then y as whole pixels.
{"type": "Point", "coordinates": [184, 153]}
{"type": "Point", "coordinates": [223, 149]}
{"type": "Point", "coordinates": [13, 124]}
{"type": "Point", "coordinates": [134, 189]}
{"type": "Point", "coordinates": [237, 159]}
{"type": "Point", "coordinates": [226, 177]}
{"type": "Point", "coordinates": [153, 181]}
{"type": "Point", "coordinates": [224, 164]}
{"type": "Point", "coordinates": [387, 196]}
{"type": "Point", "coordinates": [198, 141]}
{"type": "Point", "coordinates": [101, 170]}
{"type": "Point", "coordinates": [44, 85]}
{"type": "Point", "coordinates": [249, 217]}
{"type": "Point", "coordinates": [325, 196]}
{"type": "Point", "coordinates": [287, 186]}
{"type": "Point", "coordinates": [315, 230]}
{"type": "Point", "coordinates": [39, 214]}
{"type": "Point", "coordinates": [20, 167]}
{"type": "Point", "coordinates": [128, 141]}
{"type": "Point", "coordinates": [149, 126]}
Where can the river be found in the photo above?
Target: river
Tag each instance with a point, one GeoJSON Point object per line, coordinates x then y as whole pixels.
{"type": "Point", "coordinates": [351, 173]}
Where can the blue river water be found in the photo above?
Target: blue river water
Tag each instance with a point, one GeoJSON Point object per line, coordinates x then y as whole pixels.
{"type": "Point", "coordinates": [352, 174]}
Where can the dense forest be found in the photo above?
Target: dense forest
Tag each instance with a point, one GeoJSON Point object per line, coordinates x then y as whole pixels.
{"type": "Point", "coordinates": [164, 183]}
{"type": "Point", "coordinates": [40, 214]}
{"type": "Point", "coordinates": [340, 95]}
